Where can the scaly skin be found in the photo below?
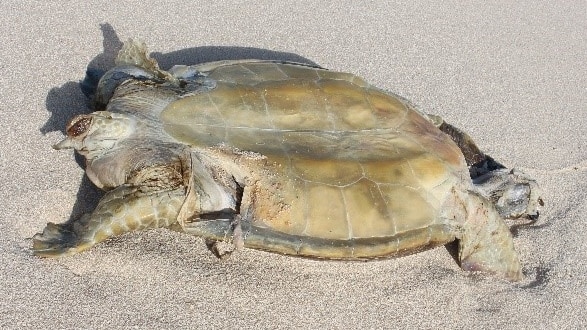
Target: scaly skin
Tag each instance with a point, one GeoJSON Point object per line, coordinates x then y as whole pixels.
{"type": "Point", "coordinates": [122, 210]}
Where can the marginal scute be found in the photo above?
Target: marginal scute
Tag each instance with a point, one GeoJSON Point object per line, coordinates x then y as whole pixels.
{"type": "Point", "coordinates": [237, 74]}
{"type": "Point", "coordinates": [267, 71]}
{"type": "Point", "coordinates": [334, 75]}
{"type": "Point", "coordinates": [299, 72]}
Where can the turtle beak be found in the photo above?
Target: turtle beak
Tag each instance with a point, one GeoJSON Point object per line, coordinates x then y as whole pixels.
{"type": "Point", "coordinates": [64, 144]}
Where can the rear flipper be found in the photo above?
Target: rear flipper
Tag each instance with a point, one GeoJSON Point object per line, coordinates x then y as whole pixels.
{"type": "Point", "coordinates": [486, 243]}
{"type": "Point", "coordinates": [121, 210]}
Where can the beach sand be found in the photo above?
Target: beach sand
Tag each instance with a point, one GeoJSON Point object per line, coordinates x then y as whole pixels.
{"type": "Point", "coordinates": [512, 74]}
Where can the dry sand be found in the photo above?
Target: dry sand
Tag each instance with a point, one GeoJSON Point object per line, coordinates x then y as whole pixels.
{"type": "Point", "coordinates": [513, 74]}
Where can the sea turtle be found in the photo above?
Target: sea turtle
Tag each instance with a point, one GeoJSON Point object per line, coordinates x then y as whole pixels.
{"type": "Point", "coordinates": [288, 158]}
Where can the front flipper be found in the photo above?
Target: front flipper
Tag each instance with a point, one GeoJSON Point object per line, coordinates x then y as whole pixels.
{"type": "Point", "coordinates": [120, 211]}
{"type": "Point", "coordinates": [486, 243]}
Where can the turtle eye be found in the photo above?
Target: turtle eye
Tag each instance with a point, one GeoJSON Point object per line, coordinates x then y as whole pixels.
{"type": "Point", "coordinates": [79, 126]}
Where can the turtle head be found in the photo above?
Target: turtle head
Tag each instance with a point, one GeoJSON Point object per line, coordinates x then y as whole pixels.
{"type": "Point", "coordinates": [93, 134]}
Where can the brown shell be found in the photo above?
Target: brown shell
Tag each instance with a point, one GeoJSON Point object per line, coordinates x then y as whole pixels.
{"type": "Point", "coordinates": [345, 161]}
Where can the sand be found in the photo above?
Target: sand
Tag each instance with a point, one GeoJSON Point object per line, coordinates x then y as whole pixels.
{"type": "Point", "coordinates": [512, 74]}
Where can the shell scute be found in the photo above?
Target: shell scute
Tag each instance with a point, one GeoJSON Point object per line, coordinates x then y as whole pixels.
{"type": "Point", "coordinates": [327, 204]}
{"type": "Point", "coordinates": [339, 173]}
{"type": "Point", "coordinates": [367, 210]}
{"type": "Point", "coordinates": [408, 207]}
